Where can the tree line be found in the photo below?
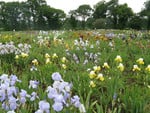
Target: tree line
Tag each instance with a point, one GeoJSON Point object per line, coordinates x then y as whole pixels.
{"type": "Point", "coordinates": [37, 15]}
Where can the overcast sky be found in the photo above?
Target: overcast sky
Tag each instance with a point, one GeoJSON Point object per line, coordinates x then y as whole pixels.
{"type": "Point", "coordinates": [68, 5]}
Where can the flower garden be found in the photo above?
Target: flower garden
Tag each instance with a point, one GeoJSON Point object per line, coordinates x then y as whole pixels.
{"type": "Point", "coordinates": [101, 71]}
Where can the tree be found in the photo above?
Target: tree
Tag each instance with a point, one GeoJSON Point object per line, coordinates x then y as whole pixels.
{"type": "Point", "coordinates": [34, 8]}
{"type": "Point", "coordinates": [89, 23]}
{"type": "Point", "coordinates": [100, 10]}
{"type": "Point", "coordinates": [146, 12]}
{"type": "Point", "coordinates": [119, 14]}
{"type": "Point", "coordinates": [136, 22]}
{"type": "Point", "coordinates": [25, 16]}
{"type": "Point", "coordinates": [2, 19]}
{"type": "Point", "coordinates": [73, 20]}
{"type": "Point", "coordinates": [83, 12]}
{"type": "Point", "coordinates": [11, 15]}
{"type": "Point", "coordinates": [33, 14]}
{"type": "Point", "coordinates": [123, 13]}
{"type": "Point", "coordinates": [53, 17]}
{"type": "Point", "coordinates": [99, 23]}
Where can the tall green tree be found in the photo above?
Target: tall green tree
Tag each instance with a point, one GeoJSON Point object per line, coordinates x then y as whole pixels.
{"type": "Point", "coordinates": [119, 14]}
{"type": "Point", "coordinates": [83, 12]}
{"type": "Point", "coordinates": [2, 13]}
{"type": "Point", "coordinates": [34, 8]}
{"type": "Point", "coordinates": [146, 12]}
{"type": "Point", "coordinates": [11, 13]}
{"type": "Point", "coordinates": [137, 22]}
{"type": "Point", "coordinates": [100, 10]}
{"type": "Point", "coordinates": [32, 14]}
{"type": "Point", "coordinates": [53, 17]}
{"type": "Point", "coordinates": [111, 12]}
{"type": "Point", "coordinates": [124, 14]}
{"type": "Point", "coordinates": [72, 20]}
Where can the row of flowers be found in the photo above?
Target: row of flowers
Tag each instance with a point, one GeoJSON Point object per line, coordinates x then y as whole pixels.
{"type": "Point", "coordinates": [96, 74]}
{"type": "Point", "coordinates": [11, 48]}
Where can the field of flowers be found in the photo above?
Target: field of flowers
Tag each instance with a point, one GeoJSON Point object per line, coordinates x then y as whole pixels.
{"type": "Point", "coordinates": [102, 71]}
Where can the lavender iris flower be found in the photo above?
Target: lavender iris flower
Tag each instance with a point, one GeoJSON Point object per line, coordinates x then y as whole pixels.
{"type": "Point", "coordinates": [12, 103]}
{"type": "Point", "coordinates": [33, 84]}
{"type": "Point", "coordinates": [57, 106]}
{"type": "Point", "coordinates": [56, 76]}
{"type": "Point", "coordinates": [76, 101]}
{"type": "Point", "coordinates": [44, 106]}
{"type": "Point", "coordinates": [33, 96]}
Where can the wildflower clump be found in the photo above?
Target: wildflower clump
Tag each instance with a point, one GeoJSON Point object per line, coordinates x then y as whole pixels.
{"type": "Point", "coordinates": [64, 61]}
{"type": "Point", "coordinates": [95, 76]}
{"type": "Point", "coordinates": [11, 97]}
{"type": "Point", "coordinates": [11, 48]}
{"type": "Point", "coordinates": [60, 93]}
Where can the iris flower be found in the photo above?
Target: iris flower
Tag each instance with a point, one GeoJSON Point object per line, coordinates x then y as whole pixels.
{"type": "Point", "coordinates": [105, 65]}
{"type": "Point", "coordinates": [118, 58]}
{"type": "Point", "coordinates": [136, 68]}
{"type": "Point", "coordinates": [120, 67]}
{"type": "Point", "coordinates": [140, 61]}
{"type": "Point", "coordinates": [148, 68]}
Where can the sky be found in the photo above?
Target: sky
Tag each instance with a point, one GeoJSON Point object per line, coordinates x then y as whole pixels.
{"type": "Point", "coordinates": [67, 5]}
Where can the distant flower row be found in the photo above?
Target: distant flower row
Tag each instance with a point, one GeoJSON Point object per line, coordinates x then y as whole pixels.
{"type": "Point", "coordinates": [9, 48]}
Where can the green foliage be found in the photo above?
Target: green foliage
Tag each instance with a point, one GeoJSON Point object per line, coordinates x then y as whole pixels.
{"type": "Point", "coordinates": [37, 15]}
{"type": "Point", "coordinates": [99, 23]}
{"type": "Point", "coordinates": [100, 10]}
{"type": "Point", "coordinates": [31, 14]}
{"type": "Point", "coordinates": [146, 12]}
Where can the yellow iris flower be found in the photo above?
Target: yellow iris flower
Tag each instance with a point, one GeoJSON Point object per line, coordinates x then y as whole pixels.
{"type": "Point", "coordinates": [118, 58]}
{"type": "Point", "coordinates": [63, 60]}
{"type": "Point", "coordinates": [35, 62]}
{"type": "Point", "coordinates": [47, 55]}
{"type": "Point", "coordinates": [148, 68]}
{"type": "Point", "coordinates": [136, 68]}
{"type": "Point", "coordinates": [54, 55]}
{"type": "Point", "coordinates": [24, 55]}
{"type": "Point", "coordinates": [105, 65]}
{"type": "Point", "coordinates": [120, 67]}
{"type": "Point", "coordinates": [140, 61]}
{"type": "Point", "coordinates": [97, 68]}
{"type": "Point", "coordinates": [92, 84]}
{"type": "Point", "coordinates": [92, 75]}
{"type": "Point", "coordinates": [100, 77]}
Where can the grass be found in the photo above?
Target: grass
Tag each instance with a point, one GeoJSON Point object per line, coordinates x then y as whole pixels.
{"type": "Point", "coordinates": [124, 91]}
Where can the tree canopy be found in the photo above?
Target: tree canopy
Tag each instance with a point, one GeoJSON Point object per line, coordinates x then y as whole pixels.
{"type": "Point", "coordinates": [37, 15]}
